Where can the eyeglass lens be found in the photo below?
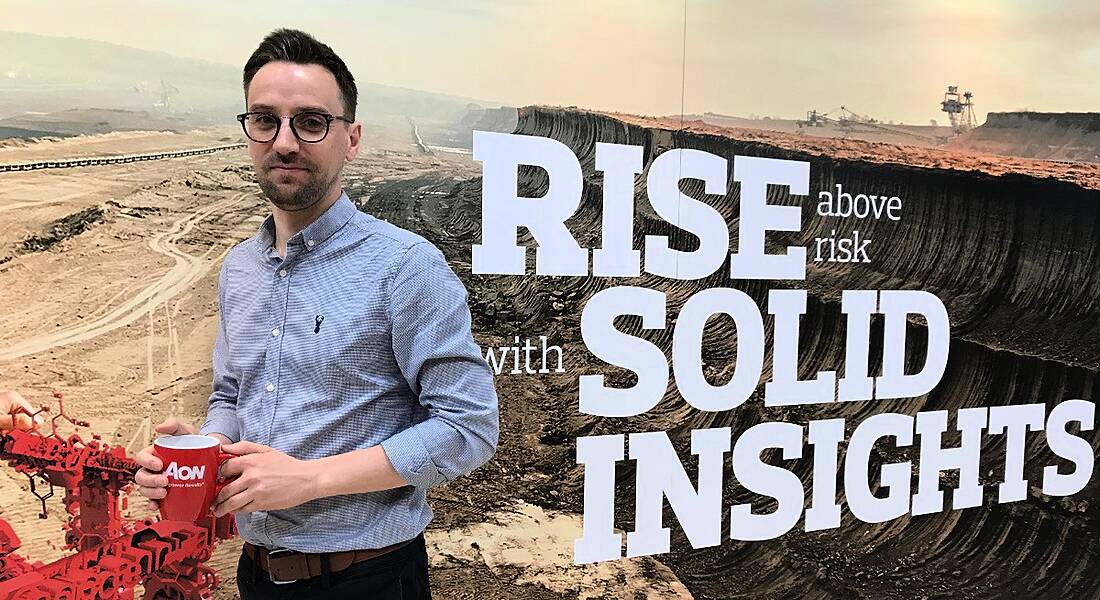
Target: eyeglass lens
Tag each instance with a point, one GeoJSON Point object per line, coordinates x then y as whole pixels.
{"type": "Point", "coordinates": [308, 127]}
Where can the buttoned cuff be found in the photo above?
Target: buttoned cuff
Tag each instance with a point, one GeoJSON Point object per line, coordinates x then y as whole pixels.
{"type": "Point", "coordinates": [411, 459]}
{"type": "Point", "coordinates": [226, 425]}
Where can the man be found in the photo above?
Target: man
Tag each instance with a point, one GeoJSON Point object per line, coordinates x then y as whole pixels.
{"type": "Point", "coordinates": [346, 378]}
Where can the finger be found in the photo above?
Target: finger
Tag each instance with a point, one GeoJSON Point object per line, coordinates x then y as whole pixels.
{"type": "Point", "coordinates": [10, 422]}
{"type": "Point", "coordinates": [148, 479]}
{"type": "Point", "coordinates": [24, 421]}
{"type": "Point", "coordinates": [16, 412]}
{"type": "Point", "coordinates": [245, 448]}
{"type": "Point", "coordinates": [231, 489]}
{"type": "Point", "coordinates": [153, 493]}
{"type": "Point", "coordinates": [232, 467]}
{"type": "Point", "coordinates": [174, 426]}
{"type": "Point", "coordinates": [168, 427]}
{"type": "Point", "coordinates": [154, 505]}
{"type": "Point", "coordinates": [13, 399]}
{"type": "Point", "coordinates": [148, 460]}
{"type": "Point", "coordinates": [232, 505]}
{"type": "Point", "coordinates": [247, 508]}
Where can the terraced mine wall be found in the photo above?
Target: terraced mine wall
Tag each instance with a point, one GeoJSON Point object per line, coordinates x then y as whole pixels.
{"type": "Point", "coordinates": [1015, 259]}
{"type": "Point", "coordinates": [1085, 121]}
{"type": "Point", "coordinates": [1050, 136]}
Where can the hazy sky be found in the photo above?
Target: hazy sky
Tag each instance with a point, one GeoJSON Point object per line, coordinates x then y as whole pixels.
{"type": "Point", "coordinates": [889, 59]}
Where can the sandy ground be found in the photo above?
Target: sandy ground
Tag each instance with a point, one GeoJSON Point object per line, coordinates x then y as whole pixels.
{"type": "Point", "coordinates": [121, 318]}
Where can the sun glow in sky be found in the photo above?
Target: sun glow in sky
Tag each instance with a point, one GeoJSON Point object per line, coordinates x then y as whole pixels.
{"type": "Point", "coordinates": [890, 60]}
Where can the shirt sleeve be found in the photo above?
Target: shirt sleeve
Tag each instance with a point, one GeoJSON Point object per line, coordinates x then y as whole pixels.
{"type": "Point", "coordinates": [436, 353]}
{"type": "Point", "coordinates": [221, 412]}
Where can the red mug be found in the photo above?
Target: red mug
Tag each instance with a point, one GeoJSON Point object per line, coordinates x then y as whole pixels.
{"type": "Point", "coordinates": [191, 464]}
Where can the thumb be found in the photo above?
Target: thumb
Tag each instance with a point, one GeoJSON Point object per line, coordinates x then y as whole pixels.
{"type": "Point", "coordinates": [173, 426]}
{"type": "Point", "coordinates": [16, 412]}
{"type": "Point", "coordinates": [240, 448]}
{"type": "Point", "coordinates": [13, 401]}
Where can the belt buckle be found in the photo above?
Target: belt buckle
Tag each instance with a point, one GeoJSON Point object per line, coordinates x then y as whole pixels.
{"type": "Point", "coordinates": [270, 573]}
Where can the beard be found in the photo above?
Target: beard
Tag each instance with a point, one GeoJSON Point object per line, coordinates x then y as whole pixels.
{"type": "Point", "coordinates": [291, 197]}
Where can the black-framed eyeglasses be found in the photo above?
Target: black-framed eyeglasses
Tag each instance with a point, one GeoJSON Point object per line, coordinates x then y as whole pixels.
{"type": "Point", "coordinates": [308, 126]}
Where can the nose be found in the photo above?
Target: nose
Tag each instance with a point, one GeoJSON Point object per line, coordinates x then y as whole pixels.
{"type": "Point", "coordinates": [286, 142]}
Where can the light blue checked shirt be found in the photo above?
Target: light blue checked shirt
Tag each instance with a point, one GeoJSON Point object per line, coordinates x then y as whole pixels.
{"type": "Point", "coordinates": [360, 337]}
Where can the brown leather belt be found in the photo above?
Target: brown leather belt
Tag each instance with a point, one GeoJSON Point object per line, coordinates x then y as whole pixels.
{"type": "Point", "coordinates": [287, 566]}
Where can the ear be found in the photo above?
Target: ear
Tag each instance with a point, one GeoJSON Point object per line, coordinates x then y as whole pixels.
{"type": "Point", "coordinates": [354, 133]}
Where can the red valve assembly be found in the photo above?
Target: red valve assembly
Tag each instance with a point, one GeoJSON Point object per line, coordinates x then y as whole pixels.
{"type": "Point", "coordinates": [111, 555]}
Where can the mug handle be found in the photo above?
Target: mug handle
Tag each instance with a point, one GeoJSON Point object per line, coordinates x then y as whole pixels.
{"type": "Point", "coordinates": [222, 457]}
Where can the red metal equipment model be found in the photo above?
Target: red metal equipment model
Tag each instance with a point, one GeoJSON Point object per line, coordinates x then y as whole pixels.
{"type": "Point", "coordinates": [111, 555]}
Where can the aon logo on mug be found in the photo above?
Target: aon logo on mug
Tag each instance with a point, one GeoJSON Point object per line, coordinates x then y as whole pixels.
{"type": "Point", "coordinates": [185, 473]}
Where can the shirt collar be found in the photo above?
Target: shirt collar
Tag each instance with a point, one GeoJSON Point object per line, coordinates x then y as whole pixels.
{"type": "Point", "coordinates": [316, 232]}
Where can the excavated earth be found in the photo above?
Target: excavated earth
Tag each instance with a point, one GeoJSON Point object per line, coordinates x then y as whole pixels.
{"type": "Point", "coordinates": [1010, 245]}
{"type": "Point", "coordinates": [108, 294]}
{"type": "Point", "coordinates": [1049, 136]}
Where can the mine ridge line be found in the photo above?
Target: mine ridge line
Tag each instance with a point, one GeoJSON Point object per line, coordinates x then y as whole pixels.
{"type": "Point", "coordinates": [65, 163]}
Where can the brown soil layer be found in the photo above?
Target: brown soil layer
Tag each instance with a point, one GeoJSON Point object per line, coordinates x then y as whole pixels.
{"type": "Point", "coordinates": [1086, 175]}
{"type": "Point", "coordinates": [1011, 247]}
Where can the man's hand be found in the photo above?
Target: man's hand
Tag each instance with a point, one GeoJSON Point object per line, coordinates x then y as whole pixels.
{"type": "Point", "coordinates": [12, 405]}
{"type": "Point", "coordinates": [265, 479]}
{"type": "Point", "coordinates": [151, 483]}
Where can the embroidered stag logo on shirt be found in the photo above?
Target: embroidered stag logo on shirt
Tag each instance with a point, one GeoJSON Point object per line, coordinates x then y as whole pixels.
{"type": "Point", "coordinates": [317, 323]}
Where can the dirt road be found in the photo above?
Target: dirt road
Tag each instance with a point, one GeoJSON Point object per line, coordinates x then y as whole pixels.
{"type": "Point", "coordinates": [120, 315]}
{"type": "Point", "coordinates": [185, 271]}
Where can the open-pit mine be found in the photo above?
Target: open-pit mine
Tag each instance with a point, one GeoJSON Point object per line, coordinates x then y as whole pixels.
{"type": "Point", "coordinates": [108, 275]}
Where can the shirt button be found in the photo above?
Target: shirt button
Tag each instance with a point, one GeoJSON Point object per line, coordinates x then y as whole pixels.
{"type": "Point", "coordinates": [271, 387]}
{"type": "Point", "coordinates": [282, 272]}
{"type": "Point", "coordinates": [310, 243]}
{"type": "Point", "coordinates": [275, 332]}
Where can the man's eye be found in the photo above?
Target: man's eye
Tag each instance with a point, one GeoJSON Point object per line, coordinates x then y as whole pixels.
{"type": "Point", "coordinates": [311, 123]}
{"type": "Point", "coordinates": [264, 121]}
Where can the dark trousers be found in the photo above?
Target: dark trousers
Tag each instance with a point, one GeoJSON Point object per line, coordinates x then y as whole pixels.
{"type": "Point", "coordinates": [400, 575]}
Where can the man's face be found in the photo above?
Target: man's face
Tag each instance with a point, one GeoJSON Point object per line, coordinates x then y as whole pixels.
{"type": "Point", "coordinates": [295, 175]}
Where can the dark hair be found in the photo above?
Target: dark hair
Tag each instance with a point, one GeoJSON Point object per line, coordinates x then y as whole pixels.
{"type": "Point", "coordinates": [292, 45]}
